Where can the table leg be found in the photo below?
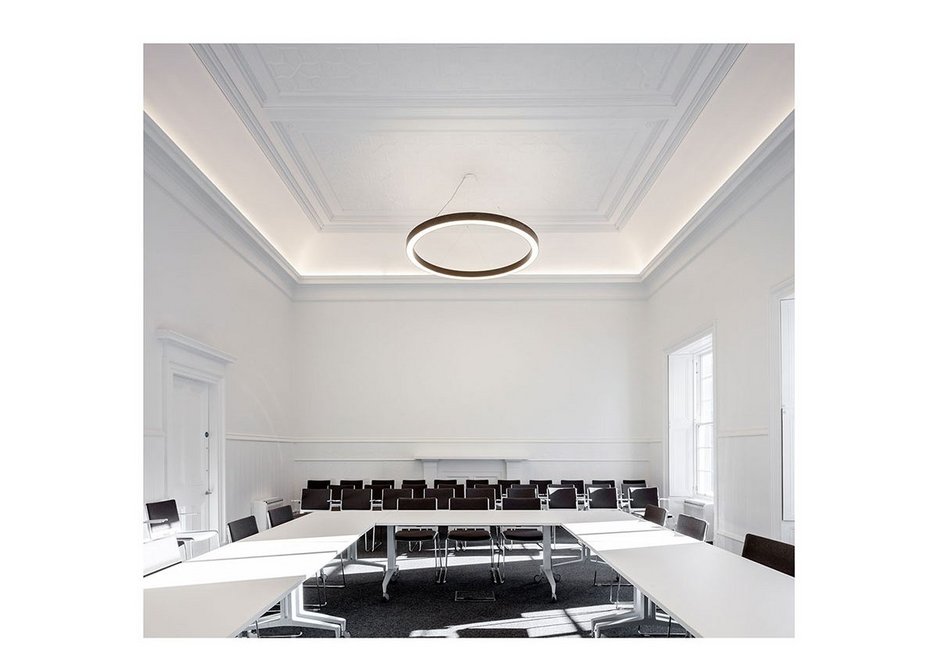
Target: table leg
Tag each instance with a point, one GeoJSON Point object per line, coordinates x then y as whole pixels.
{"type": "Point", "coordinates": [392, 563]}
{"type": "Point", "coordinates": [293, 614]}
{"type": "Point", "coordinates": [353, 558]}
{"type": "Point", "coordinates": [546, 569]}
{"type": "Point", "coordinates": [635, 615]}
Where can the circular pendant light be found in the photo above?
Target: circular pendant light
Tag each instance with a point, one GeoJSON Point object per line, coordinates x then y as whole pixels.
{"type": "Point", "coordinates": [472, 218]}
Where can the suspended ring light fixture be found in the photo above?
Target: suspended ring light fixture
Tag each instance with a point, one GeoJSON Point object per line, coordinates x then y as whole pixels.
{"type": "Point", "coordinates": [472, 218]}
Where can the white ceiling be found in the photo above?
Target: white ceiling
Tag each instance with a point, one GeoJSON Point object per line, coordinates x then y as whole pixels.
{"type": "Point", "coordinates": [334, 152]}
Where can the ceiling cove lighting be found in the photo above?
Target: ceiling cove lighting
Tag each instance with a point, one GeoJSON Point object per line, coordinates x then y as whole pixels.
{"type": "Point", "coordinates": [472, 218]}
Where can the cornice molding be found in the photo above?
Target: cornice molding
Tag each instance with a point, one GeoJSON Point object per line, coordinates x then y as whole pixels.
{"type": "Point", "coordinates": [435, 441]}
{"type": "Point", "coordinates": [172, 170]}
{"type": "Point", "coordinates": [768, 166]}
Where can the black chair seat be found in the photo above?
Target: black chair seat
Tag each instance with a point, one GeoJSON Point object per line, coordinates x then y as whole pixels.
{"type": "Point", "coordinates": [530, 535]}
{"type": "Point", "coordinates": [414, 534]}
{"type": "Point", "coordinates": [468, 535]}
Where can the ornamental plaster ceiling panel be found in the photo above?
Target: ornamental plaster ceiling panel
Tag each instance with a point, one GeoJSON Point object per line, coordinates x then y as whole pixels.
{"type": "Point", "coordinates": [334, 152]}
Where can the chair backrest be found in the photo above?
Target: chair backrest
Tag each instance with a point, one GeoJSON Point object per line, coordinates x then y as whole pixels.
{"type": "Point", "coordinates": [604, 497]}
{"type": "Point", "coordinates": [442, 496]}
{"type": "Point", "coordinates": [356, 499]}
{"type": "Point", "coordinates": [656, 514]}
{"type": "Point", "coordinates": [416, 504]}
{"type": "Point", "coordinates": [503, 485]}
{"type": "Point", "coordinates": [541, 485]}
{"type": "Point", "coordinates": [577, 485]}
{"type": "Point", "coordinates": [590, 487]}
{"type": "Point", "coordinates": [561, 497]}
{"type": "Point", "coordinates": [280, 515]}
{"type": "Point", "coordinates": [418, 487]}
{"type": "Point", "coordinates": [644, 496]}
{"type": "Point", "coordinates": [471, 503]}
{"type": "Point", "coordinates": [772, 553]}
{"type": "Point", "coordinates": [356, 484]}
{"type": "Point", "coordinates": [482, 492]}
{"type": "Point", "coordinates": [318, 484]}
{"type": "Point", "coordinates": [383, 483]}
{"type": "Point", "coordinates": [389, 497]}
{"type": "Point", "coordinates": [522, 492]}
{"type": "Point", "coordinates": [439, 481]}
{"type": "Point", "coordinates": [691, 526]}
{"type": "Point", "coordinates": [475, 482]}
{"type": "Point", "coordinates": [164, 518]}
{"type": "Point", "coordinates": [336, 491]}
{"type": "Point", "coordinates": [605, 483]}
{"type": "Point", "coordinates": [459, 490]}
{"type": "Point", "coordinates": [495, 490]}
{"type": "Point", "coordinates": [521, 503]}
{"type": "Point", "coordinates": [238, 529]}
{"type": "Point", "coordinates": [314, 499]}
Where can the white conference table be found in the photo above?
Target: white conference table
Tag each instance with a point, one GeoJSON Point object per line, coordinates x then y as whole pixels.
{"type": "Point", "coordinates": [709, 591]}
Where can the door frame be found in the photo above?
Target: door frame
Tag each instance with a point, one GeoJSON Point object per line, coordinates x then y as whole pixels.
{"type": "Point", "coordinates": [784, 290]}
{"type": "Point", "coordinates": [189, 358]}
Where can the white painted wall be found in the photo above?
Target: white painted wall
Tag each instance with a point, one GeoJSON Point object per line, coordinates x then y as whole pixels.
{"type": "Point", "coordinates": [556, 382]}
{"type": "Point", "coordinates": [727, 286]}
{"type": "Point", "coordinates": [196, 285]}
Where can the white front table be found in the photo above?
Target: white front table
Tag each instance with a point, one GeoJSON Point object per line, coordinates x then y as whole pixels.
{"type": "Point", "coordinates": [211, 610]}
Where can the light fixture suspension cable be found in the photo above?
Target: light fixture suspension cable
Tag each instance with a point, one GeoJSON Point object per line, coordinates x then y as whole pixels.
{"type": "Point", "coordinates": [451, 197]}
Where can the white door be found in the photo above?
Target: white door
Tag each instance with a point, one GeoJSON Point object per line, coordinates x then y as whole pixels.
{"type": "Point", "coordinates": [787, 340]}
{"type": "Point", "coordinates": [187, 452]}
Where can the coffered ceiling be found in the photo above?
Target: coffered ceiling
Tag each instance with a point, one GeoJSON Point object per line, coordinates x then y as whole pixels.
{"type": "Point", "coordinates": [334, 152]}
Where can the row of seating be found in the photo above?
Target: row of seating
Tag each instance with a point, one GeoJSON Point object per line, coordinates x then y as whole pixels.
{"type": "Point", "coordinates": [582, 486]}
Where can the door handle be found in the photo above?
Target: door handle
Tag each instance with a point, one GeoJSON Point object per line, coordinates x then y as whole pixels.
{"type": "Point", "coordinates": [207, 492]}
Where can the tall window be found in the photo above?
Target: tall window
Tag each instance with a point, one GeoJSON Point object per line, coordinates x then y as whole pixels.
{"type": "Point", "coordinates": [703, 423]}
{"type": "Point", "coordinates": [690, 420]}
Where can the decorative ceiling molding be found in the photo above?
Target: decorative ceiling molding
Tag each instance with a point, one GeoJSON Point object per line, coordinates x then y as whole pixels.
{"type": "Point", "coordinates": [658, 108]}
{"type": "Point", "coordinates": [768, 166]}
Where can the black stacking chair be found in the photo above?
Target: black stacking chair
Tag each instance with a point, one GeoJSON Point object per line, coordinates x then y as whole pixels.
{"type": "Point", "coordinates": [163, 520]}
{"type": "Point", "coordinates": [775, 554]}
{"type": "Point", "coordinates": [603, 497]}
{"type": "Point", "coordinates": [692, 527]}
{"type": "Point", "coordinates": [503, 486]}
{"type": "Point", "coordinates": [441, 495]}
{"type": "Point", "coordinates": [656, 514]}
{"type": "Point", "coordinates": [521, 492]}
{"type": "Point", "coordinates": [439, 481]}
{"type": "Point", "coordinates": [315, 499]}
{"type": "Point", "coordinates": [419, 534]}
{"type": "Point", "coordinates": [318, 484]}
{"type": "Point", "coordinates": [376, 488]}
{"type": "Point", "coordinates": [356, 484]}
{"type": "Point", "coordinates": [476, 481]}
{"type": "Point", "coordinates": [355, 499]}
{"type": "Point", "coordinates": [418, 487]}
{"type": "Point", "coordinates": [279, 515]}
{"type": "Point", "coordinates": [470, 534]}
{"type": "Point", "coordinates": [604, 483]}
{"type": "Point", "coordinates": [238, 529]}
{"type": "Point", "coordinates": [578, 485]}
{"type": "Point", "coordinates": [561, 497]}
{"type": "Point", "coordinates": [389, 497]}
{"type": "Point", "coordinates": [509, 535]}
{"type": "Point", "coordinates": [639, 497]}
{"type": "Point", "coordinates": [383, 483]}
{"type": "Point", "coordinates": [484, 492]}
{"type": "Point", "coordinates": [459, 490]}
{"type": "Point", "coordinates": [496, 490]}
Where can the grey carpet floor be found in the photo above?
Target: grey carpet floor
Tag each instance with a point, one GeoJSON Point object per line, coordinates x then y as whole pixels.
{"type": "Point", "coordinates": [419, 607]}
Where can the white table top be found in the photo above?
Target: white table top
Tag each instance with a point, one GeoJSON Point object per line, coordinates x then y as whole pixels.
{"type": "Point", "coordinates": [194, 572]}
{"type": "Point", "coordinates": [210, 610]}
{"type": "Point", "coordinates": [709, 591]}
